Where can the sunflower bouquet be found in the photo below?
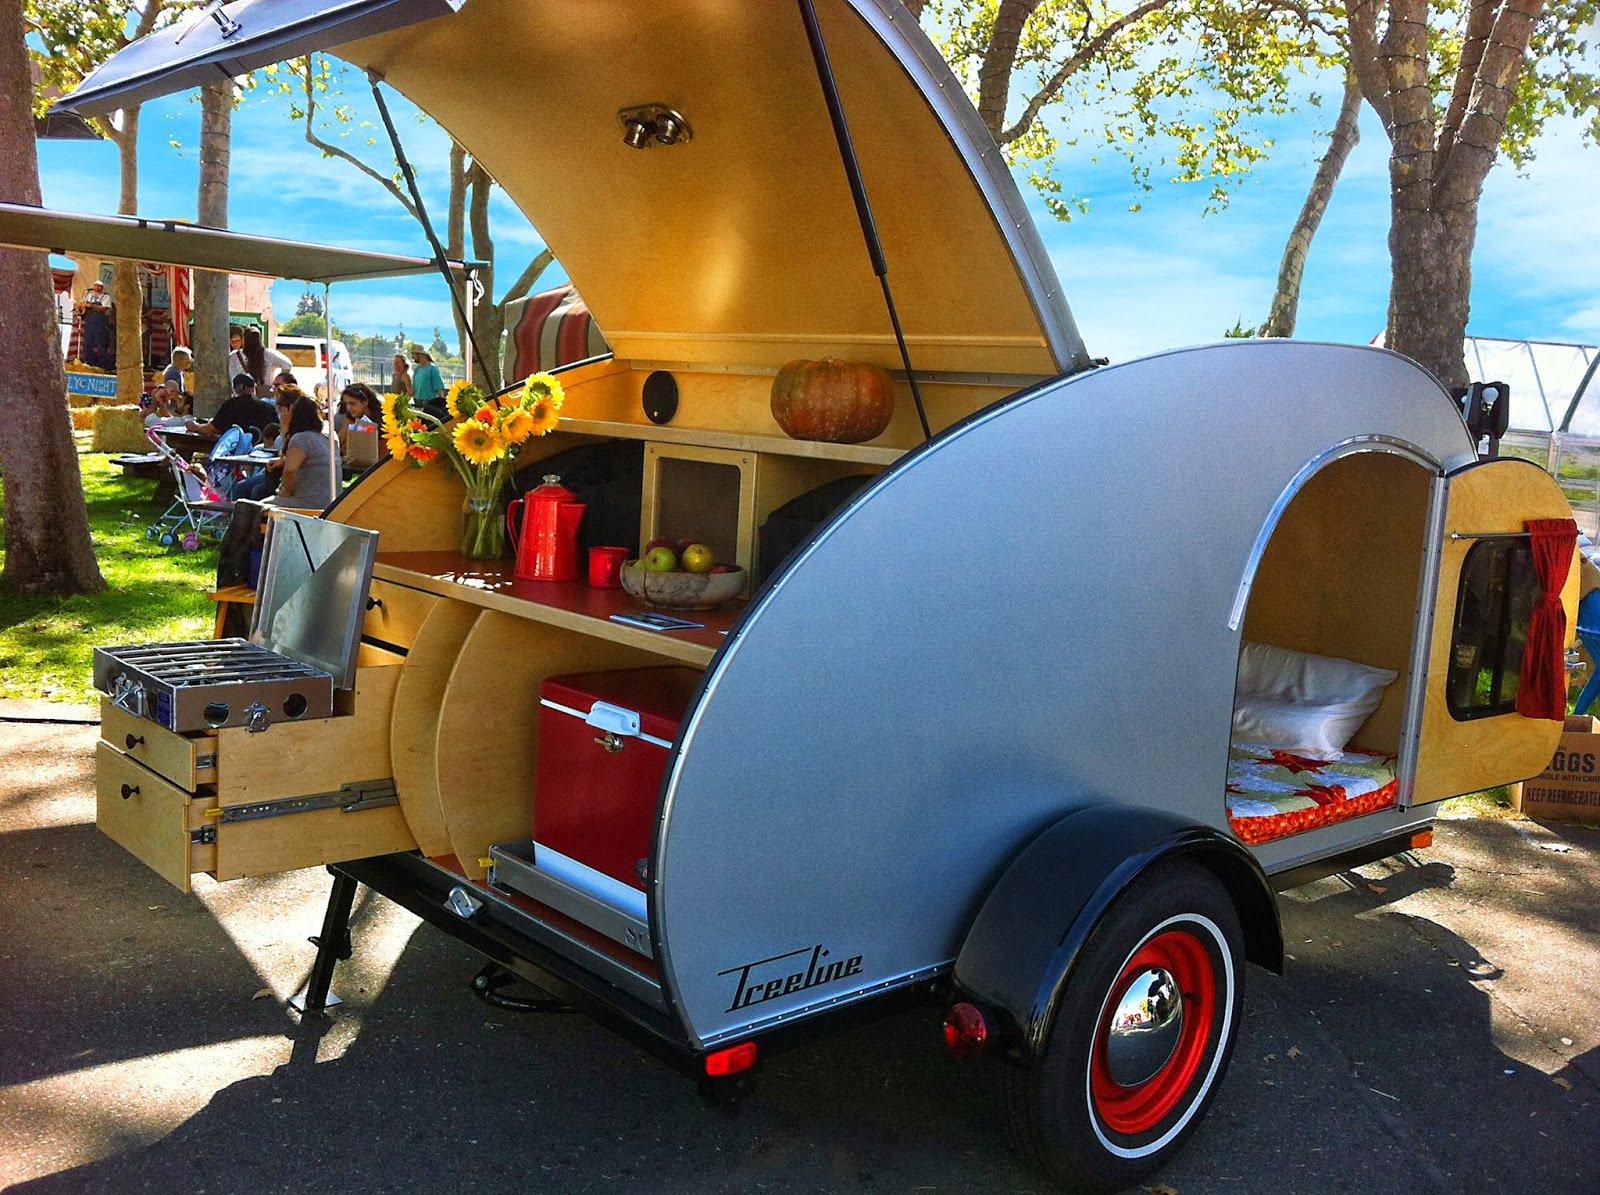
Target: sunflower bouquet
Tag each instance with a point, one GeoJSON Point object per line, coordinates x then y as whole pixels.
{"type": "Point", "coordinates": [481, 442]}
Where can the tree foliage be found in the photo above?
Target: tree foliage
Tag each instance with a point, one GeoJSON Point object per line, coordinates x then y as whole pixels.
{"type": "Point", "coordinates": [1177, 88]}
{"type": "Point", "coordinates": [1455, 85]}
{"type": "Point", "coordinates": [1484, 77]}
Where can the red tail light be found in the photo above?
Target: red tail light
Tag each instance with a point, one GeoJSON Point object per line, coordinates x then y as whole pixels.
{"type": "Point", "coordinates": [732, 1060]}
{"type": "Point", "coordinates": [965, 1031]}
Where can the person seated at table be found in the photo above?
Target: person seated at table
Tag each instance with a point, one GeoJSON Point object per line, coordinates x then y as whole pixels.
{"type": "Point", "coordinates": [262, 482]}
{"type": "Point", "coordinates": [182, 362]}
{"type": "Point", "coordinates": [360, 401]}
{"type": "Point", "coordinates": [167, 409]}
{"type": "Point", "coordinates": [310, 459]}
{"type": "Point", "coordinates": [244, 410]}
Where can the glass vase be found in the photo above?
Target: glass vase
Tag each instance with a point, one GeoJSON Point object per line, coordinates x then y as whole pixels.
{"type": "Point", "coordinates": [483, 527]}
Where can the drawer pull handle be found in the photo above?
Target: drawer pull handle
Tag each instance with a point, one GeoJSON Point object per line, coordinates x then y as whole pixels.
{"type": "Point", "coordinates": [374, 603]}
{"type": "Point", "coordinates": [133, 740]}
{"type": "Point", "coordinates": [129, 790]}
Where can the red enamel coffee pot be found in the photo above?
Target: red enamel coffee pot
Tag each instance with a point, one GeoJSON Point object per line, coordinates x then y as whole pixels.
{"type": "Point", "coordinates": [547, 542]}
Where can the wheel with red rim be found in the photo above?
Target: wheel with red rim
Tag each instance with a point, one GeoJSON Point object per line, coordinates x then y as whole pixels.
{"type": "Point", "coordinates": [1141, 1035]}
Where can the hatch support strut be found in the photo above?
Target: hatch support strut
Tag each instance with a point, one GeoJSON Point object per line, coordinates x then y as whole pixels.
{"type": "Point", "coordinates": [470, 281]}
{"type": "Point", "coordinates": [858, 191]}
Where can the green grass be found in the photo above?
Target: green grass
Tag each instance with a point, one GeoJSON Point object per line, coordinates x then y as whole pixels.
{"type": "Point", "coordinates": [152, 594]}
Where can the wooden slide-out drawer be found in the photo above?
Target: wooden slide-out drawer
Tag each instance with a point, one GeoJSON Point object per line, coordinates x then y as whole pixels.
{"type": "Point", "coordinates": [395, 612]}
{"type": "Point", "coordinates": [158, 821]}
{"type": "Point", "coordinates": [153, 819]}
{"type": "Point", "coordinates": [187, 760]}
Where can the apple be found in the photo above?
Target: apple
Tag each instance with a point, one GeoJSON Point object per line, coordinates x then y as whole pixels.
{"type": "Point", "coordinates": [659, 560]}
{"type": "Point", "coordinates": [724, 568]}
{"type": "Point", "coordinates": [682, 545]}
{"type": "Point", "coordinates": [660, 541]}
{"type": "Point", "coordinates": [697, 558]}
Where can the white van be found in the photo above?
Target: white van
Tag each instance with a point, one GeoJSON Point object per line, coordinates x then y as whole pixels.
{"type": "Point", "coordinates": [310, 363]}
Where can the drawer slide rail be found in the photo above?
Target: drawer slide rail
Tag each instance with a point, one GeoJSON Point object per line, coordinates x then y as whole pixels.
{"type": "Point", "coordinates": [352, 798]}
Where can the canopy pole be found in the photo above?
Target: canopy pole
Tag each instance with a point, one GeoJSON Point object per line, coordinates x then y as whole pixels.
{"type": "Point", "coordinates": [858, 191]}
{"type": "Point", "coordinates": [422, 216]}
{"type": "Point", "coordinates": [473, 287]}
{"type": "Point", "coordinates": [334, 464]}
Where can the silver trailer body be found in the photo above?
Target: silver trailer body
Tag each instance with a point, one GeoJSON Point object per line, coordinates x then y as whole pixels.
{"type": "Point", "coordinates": [988, 638]}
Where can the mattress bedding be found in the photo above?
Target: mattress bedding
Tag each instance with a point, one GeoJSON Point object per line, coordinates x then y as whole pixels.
{"type": "Point", "coordinates": [1273, 792]}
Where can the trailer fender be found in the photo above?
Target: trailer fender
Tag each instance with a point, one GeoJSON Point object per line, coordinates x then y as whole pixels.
{"type": "Point", "coordinates": [1021, 948]}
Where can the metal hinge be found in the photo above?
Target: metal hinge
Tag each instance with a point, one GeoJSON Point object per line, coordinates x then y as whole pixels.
{"type": "Point", "coordinates": [204, 836]}
{"type": "Point", "coordinates": [352, 798]}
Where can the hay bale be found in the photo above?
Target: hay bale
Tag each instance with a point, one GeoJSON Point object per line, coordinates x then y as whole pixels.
{"type": "Point", "coordinates": [74, 399]}
{"type": "Point", "coordinates": [118, 429]}
{"type": "Point", "coordinates": [83, 419]}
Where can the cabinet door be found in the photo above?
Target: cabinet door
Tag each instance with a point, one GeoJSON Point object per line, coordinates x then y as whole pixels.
{"type": "Point", "coordinates": [1469, 735]}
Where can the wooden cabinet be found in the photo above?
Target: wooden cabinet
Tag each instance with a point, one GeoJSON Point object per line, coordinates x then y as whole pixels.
{"type": "Point", "coordinates": [232, 803]}
{"type": "Point", "coordinates": [435, 750]}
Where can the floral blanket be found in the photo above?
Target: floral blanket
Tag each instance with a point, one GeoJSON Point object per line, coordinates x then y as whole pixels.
{"type": "Point", "coordinates": [1273, 793]}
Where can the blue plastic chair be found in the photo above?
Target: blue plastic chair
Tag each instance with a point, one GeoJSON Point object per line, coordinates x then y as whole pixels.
{"type": "Point", "coordinates": [1589, 636]}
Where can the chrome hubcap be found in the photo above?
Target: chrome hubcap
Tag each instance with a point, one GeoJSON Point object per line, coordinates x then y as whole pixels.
{"type": "Point", "coordinates": [1144, 1028]}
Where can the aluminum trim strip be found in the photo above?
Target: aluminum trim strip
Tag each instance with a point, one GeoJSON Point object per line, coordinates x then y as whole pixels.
{"type": "Point", "coordinates": [1422, 644]}
{"type": "Point", "coordinates": [1355, 444]}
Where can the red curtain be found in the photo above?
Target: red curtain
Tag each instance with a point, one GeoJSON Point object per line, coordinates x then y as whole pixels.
{"type": "Point", "coordinates": [1542, 688]}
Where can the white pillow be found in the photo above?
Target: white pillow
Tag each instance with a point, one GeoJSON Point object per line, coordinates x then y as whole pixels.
{"type": "Point", "coordinates": [1303, 702]}
{"type": "Point", "coordinates": [1317, 730]}
{"type": "Point", "coordinates": [1267, 671]}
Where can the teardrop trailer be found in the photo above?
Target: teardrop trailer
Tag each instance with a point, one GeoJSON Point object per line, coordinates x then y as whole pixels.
{"type": "Point", "coordinates": [1030, 728]}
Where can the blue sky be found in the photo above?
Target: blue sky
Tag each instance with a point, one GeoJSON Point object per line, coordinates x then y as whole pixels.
{"type": "Point", "coordinates": [1138, 282]}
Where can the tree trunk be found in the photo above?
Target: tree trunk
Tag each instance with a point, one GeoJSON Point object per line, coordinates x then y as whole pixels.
{"type": "Point", "coordinates": [47, 544]}
{"type": "Point", "coordinates": [1437, 167]}
{"type": "Point", "coordinates": [1346, 133]}
{"type": "Point", "coordinates": [125, 289]}
{"type": "Point", "coordinates": [1430, 255]}
{"type": "Point", "coordinates": [999, 57]}
{"type": "Point", "coordinates": [211, 382]}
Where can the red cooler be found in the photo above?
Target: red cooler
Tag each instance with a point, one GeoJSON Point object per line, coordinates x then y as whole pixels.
{"type": "Point", "coordinates": [603, 743]}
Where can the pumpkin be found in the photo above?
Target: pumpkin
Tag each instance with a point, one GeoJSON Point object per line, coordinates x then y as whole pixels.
{"type": "Point", "coordinates": [842, 402]}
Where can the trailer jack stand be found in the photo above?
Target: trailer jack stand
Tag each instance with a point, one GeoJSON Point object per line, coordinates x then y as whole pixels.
{"type": "Point", "coordinates": [333, 944]}
{"type": "Point", "coordinates": [486, 985]}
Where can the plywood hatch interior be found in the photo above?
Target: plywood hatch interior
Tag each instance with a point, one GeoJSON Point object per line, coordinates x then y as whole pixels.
{"type": "Point", "coordinates": [742, 246]}
{"type": "Point", "coordinates": [1456, 755]}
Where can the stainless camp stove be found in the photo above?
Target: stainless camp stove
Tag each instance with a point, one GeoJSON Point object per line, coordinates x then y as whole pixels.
{"type": "Point", "coordinates": [304, 636]}
{"type": "Point", "coordinates": [212, 683]}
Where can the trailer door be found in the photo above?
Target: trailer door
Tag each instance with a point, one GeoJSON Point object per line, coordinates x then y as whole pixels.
{"type": "Point", "coordinates": [1473, 629]}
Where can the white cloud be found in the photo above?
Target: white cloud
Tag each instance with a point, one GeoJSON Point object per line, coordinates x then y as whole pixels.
{"type": "Point", "coordinates": [1538, 244]}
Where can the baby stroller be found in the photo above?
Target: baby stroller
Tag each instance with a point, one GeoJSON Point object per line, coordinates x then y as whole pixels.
{"type": "Point", "coordinates": [198, 507]}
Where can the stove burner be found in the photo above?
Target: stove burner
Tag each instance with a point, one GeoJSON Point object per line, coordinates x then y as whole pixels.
{"type": "Point", "coordinates": [212, 683]}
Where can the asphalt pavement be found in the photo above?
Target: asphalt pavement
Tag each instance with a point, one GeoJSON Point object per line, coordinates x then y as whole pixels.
{"type": "Point", "coordinates": [1436, 1031]}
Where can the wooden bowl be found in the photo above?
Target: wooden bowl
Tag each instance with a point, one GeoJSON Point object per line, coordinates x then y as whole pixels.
{"type": "Point", "coordinates": [681, 591]}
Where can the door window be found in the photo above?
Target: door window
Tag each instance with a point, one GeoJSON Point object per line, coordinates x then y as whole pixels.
{"type": "Point", "coordinates": [1493, 607]}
